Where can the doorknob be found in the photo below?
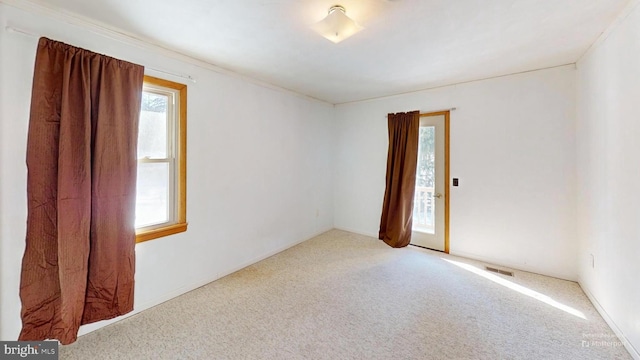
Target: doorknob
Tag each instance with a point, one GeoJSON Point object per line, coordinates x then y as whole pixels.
{"type": "Point", "coordinates": [438, 195]}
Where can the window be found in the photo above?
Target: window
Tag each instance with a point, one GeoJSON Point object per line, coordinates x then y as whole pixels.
{"type": "Point", "coordinates": [424, 204]}
{"type": "Point", "coordinates": [162, 153]}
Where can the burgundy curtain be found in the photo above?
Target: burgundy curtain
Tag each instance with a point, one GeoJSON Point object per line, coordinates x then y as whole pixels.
{"type": "Point", "coordinates": [402, 160]}
{"type": "Point", "coordinates": [79, 261]}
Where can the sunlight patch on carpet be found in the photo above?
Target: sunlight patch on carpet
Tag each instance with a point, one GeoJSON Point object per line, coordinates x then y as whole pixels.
{"type": "Point", "coordinates": [519, 288]}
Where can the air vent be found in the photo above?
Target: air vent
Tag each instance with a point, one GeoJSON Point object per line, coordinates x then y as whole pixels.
{"type": "Point", "coordinates": [501, 272]}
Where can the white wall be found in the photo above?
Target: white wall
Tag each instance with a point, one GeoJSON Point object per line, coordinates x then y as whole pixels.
{"type": "Point", "coordinates": [268, 169]}
{"type": "Point", "coordinates": [3, 174]}
{"type": "Point", "coordinates": [608, 137]}
{"type": "Point", "coordinates": [260, 166]}
{"type": "Point", "coordinates": [513, 149]}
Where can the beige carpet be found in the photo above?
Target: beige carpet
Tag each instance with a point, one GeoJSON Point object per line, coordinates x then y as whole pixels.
{"type": "Point", "coordinates": [347, 296]}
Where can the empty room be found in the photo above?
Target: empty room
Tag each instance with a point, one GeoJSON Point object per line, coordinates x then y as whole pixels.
{"type": "Point", "coordinates": [354, 179]}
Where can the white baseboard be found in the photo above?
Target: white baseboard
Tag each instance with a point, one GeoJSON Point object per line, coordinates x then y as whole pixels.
{"type": "Point", "coordinates": [481, 258]}
{"type": "Point", "coordinates": [85, 329]}
{"type": "Point", "coordinates": [627, 345]}
{"type": "Point", "coordinates": [359, 232]}
{"type": "Point", "coordinates": [515, 266]}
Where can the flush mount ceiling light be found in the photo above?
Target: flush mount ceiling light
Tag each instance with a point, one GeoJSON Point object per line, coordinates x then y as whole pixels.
{"type": "Point", "coordinates": [337, 26]}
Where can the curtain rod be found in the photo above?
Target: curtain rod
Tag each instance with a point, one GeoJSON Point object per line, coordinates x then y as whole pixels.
{"type": "Point", "coordinates": [13, 30]}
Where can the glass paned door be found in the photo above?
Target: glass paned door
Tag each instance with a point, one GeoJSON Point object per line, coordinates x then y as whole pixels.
{"type": "Point", "coordinates": [429, 201]}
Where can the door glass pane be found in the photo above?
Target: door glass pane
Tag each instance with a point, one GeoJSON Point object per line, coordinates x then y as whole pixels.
{"type": "Point", "coordinates": [424, 205]}
{"type": "Point", "coordinates": [152, 194]}
{"type": "Point", "coordinates": [152, 131]}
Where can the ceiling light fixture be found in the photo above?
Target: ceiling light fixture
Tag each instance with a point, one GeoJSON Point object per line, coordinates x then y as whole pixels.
{"type": "Point", "coordinates": [337, 26]}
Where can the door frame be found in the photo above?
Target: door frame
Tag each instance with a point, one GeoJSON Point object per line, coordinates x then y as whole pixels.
{"type": "Point", "coordinates": [447, 180]}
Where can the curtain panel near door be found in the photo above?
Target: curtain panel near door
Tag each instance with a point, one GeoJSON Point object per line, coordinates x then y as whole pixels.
{"type": "Point", "coordinates": [402, 161]}
{"type": "Point", "coordinates": [79, 262]}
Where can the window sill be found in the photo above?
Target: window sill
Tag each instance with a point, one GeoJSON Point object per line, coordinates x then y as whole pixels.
{"type": "Point", "coordinates": [160, 232]}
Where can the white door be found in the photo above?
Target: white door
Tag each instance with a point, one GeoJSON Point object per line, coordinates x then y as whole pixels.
{"type": "Point", "coordinates": [429, 202]}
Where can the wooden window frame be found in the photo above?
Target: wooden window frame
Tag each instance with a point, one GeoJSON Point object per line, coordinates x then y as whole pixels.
{"type": "Point", "coordinates": [180, 193]}
{"type": "Point", "coordinates": [447, 171]}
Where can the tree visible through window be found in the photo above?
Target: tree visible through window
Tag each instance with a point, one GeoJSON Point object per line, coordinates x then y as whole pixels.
{"type": "Point", "coordinates": [424, 204]}
{"type": "Point", "coordinates": [426, 157]}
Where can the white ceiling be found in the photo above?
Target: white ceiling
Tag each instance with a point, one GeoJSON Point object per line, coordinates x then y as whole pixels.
{"type": "Point", "coordinates": [406, 45]}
